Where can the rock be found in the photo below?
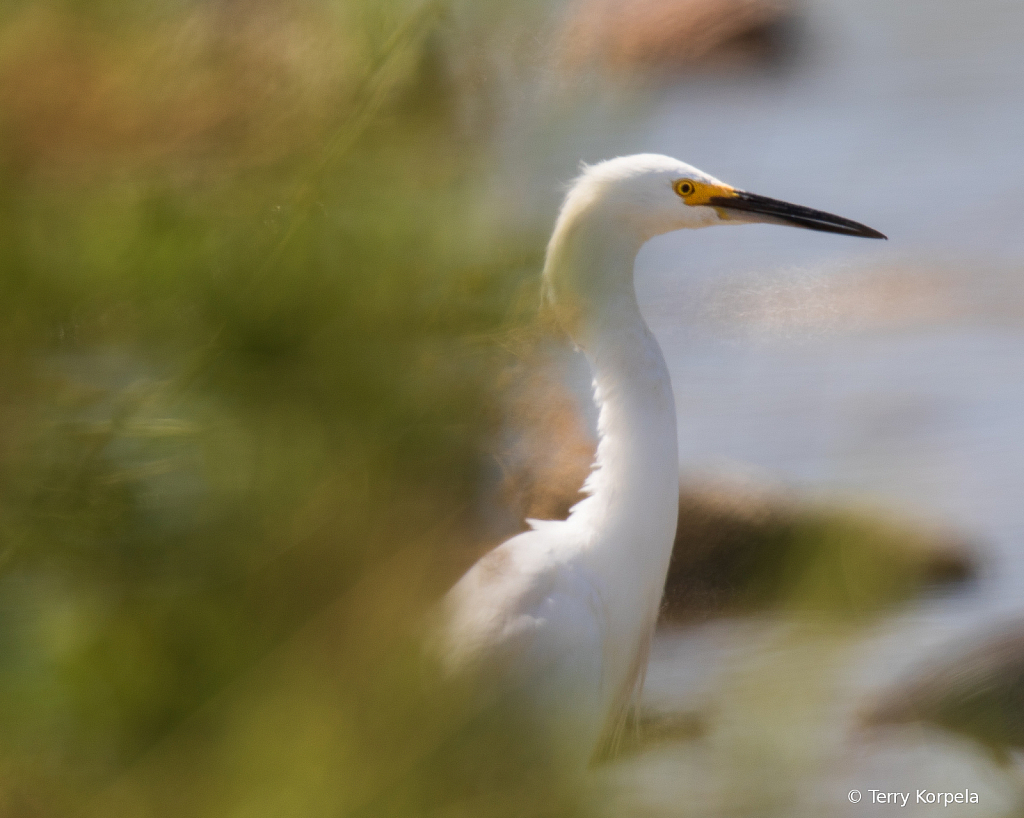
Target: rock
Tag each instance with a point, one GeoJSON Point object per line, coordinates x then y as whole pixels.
{"type": "Point", "coordinates": [741, 548]}
{"type": "Point", "coordinates": [674, 35]}
{"type": "Point", "coordinates": [976, 691]}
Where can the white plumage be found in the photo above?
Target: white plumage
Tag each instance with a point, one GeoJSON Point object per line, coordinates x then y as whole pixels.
{"type": "Point", "coordinates": [558, 620]}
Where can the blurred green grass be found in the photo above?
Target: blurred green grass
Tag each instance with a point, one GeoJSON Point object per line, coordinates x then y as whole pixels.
{"type": "Point", "coordinates": [245, 284]}
{"type": "Point", "coordinates": [259, 299]}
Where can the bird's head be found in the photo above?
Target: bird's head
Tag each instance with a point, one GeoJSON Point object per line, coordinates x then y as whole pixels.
{"type": "Point", "coordinates": [616, 206]}
{"type": "Point", "coordinates": [650, 194]}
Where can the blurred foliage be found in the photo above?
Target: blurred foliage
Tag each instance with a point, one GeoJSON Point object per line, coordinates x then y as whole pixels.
{"type": "Point", "coordinates": [245, 397]}
{"type": "Point", "coordinates": [257, 298]}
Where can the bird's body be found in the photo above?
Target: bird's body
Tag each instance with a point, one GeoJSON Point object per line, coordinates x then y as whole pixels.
{"type": "Point", "coordinates": [557, 621]}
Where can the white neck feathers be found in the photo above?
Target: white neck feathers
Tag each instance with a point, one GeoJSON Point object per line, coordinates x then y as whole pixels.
{"type": "Point", "coordinates": [627, 525]}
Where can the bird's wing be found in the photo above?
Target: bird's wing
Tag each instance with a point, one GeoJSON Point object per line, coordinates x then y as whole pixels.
{"type": "Point", "coordinates": [525, 624]}
{"type": "Point", "coordinates": [513, 597]}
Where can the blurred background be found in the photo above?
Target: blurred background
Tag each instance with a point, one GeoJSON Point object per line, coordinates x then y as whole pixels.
{"type": "Point", "coordinates": [272, 377]}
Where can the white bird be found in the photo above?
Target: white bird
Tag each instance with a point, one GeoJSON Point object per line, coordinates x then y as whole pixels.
{"type": "Point", "coordinates": [557, 621]}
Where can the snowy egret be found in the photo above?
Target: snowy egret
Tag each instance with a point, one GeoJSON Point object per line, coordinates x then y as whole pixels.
{"type": "Point", "coordinates": [557, 621]}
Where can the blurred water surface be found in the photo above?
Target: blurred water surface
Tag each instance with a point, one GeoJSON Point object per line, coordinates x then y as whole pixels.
{"type": "Point", "coordinates": [886, 373]}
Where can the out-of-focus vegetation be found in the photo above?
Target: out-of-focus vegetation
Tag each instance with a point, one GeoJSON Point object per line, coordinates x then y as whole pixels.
{"type": "Point", "coordinates": [245, 278]}
{"type": "Point", "coordinates": [257, 299]}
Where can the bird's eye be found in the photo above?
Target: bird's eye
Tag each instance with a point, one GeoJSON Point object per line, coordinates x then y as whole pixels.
{"type": "Point", "coordinates": [684, 187]}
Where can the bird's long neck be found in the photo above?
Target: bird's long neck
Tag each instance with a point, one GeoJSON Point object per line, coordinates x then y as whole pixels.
{"type": "Point", "coordinates": [634, 486]}
{"type": "Point", "coordinates": [629, 521]}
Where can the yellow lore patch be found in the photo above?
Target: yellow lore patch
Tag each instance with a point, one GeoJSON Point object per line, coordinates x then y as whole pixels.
{"type": "Point", "coordinates": [696, 193]}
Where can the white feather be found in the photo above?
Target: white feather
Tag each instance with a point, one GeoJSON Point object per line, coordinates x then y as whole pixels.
{"type": "Point", "coordinates": [563, 614]}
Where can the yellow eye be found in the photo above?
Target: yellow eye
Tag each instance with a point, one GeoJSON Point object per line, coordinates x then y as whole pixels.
{"type": "Point", "coordinates": [685, 187]}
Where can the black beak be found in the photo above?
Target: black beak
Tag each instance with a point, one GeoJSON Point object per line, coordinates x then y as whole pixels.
{"type": "Point", "coordinates": [784, 213]}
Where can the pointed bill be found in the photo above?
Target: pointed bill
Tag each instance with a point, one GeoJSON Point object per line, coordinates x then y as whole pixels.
{"type": "Point", "coordinates": [750, 207]}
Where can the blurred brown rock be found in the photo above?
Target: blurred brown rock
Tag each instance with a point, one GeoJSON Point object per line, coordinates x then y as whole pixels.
{"type": "Point", "coordinates": [976, 691]}
{"type": "Point", "coordinates": [741, 548]}
{"type": "Point", "coordinates": [669, 35]}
